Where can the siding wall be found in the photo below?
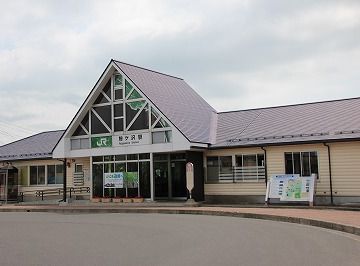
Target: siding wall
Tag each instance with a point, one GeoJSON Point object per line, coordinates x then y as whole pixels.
{"type": "Point", "coordinates": [345, 159]}
{"type": "Point", "coordinates": [246, 188]}
{"type": "Point", "coordinates": [24, 178]}
{"type": "Point", "coordinates": [86, 169]}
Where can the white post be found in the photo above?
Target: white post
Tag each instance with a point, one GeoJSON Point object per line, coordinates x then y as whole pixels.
{"type": "Point", "coordinates": [152, 191]}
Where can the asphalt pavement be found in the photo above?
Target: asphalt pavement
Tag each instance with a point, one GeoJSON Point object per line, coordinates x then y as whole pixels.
{"type": "Point", "coordinates": [167, 239]}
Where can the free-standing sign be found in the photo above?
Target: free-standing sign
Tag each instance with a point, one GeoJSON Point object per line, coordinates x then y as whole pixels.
{"type": "Point", "coordinates": [114, 180]}
{"type": "Point", "coordinates": [291, 188]}
{"type": "Point", "coordinates": [100, 142]}
{"type": "Point", "coordinates": [189, 177]}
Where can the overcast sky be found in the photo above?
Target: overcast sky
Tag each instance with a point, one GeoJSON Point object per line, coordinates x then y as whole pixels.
{"type": "Point", "coordinates": [235, 54]}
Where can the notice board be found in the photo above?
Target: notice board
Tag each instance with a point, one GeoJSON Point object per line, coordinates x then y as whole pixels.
{"type": "Point", "coordinates": [291, 188]}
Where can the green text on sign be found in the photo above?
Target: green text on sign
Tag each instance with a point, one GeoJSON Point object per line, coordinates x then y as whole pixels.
{"type": "Point", "coordinates": [100, 142]}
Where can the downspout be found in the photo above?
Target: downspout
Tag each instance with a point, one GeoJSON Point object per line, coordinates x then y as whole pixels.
{"type": "Point", "coordinates": [330, 175]}
{"type": "Point", "coordinates": [64, 194]}
{"type": "Point", "coordinates": [265, 164]}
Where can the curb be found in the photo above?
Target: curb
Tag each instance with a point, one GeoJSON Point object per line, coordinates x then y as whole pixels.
{"type": "Point", "coordinates": [317, 223]}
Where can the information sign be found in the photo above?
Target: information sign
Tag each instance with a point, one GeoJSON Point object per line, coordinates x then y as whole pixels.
{"type": "Point", "coordinates": [291, 188]}
{"type": "Point", "coordinates": [114, 180]}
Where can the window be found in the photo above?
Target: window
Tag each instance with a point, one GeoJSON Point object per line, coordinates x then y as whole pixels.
{"type": "Point", "coordinates": [302, 163]}
{"type": "Point", "coordinates": [55, 174]}
{"type": "Point", "coordinates": [77, 144]}
{"type": "Point", "coordinates": [78, 168]}
{"type": "Point", "coordinates": [37, 175]}
{"type": "Point", "coordinates": [219, 168]}
{"type": "Point", "coordinates": [249, 167]}
{"type": "Point", "coordinates": [161, 137]}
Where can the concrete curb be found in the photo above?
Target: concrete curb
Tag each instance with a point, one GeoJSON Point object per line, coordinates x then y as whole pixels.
{"type": "Point", "coordinates": [318, 223]}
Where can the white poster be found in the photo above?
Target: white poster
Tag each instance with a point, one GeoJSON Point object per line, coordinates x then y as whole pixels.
{"type": "Point", "coordinates": [114, 180]}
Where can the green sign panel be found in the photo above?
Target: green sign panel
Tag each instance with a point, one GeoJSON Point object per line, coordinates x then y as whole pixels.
{"type": "Point", "coordinates": [100, 142]}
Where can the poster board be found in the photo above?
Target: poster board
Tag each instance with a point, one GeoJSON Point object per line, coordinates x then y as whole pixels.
{"type": "Point", "coordinates": [291, 188]}
{"type": "Point", "coordinates": [114, 180]}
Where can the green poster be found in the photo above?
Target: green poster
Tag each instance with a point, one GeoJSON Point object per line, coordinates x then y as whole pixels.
{"type": "Point", "coordinates": [100, 142]}
{"type": "Point", "coordinates": [131, 179]}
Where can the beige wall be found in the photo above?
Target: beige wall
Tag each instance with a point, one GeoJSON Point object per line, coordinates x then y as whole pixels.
{"type": "Point", "coordinates": [345, 159]}
{"type": "Point", "coordinates": [24, 178]}
{"type": "Point", "coordinates": [86, 168]}
{"type": "Point", "coordinates": [246, 188]}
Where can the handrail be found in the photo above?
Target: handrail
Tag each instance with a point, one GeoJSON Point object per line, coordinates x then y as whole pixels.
{"type": "Point", "coordinates": [58, 191]}
{"type": "Point", "coordinates": [243, 174]}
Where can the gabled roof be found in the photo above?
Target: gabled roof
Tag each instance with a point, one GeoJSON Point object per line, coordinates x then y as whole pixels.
{"type": "Point", "coordinates": [320, 121]}
{"type": "Point", "coordinates": [186, 109]}
{"type": "Point", "coordinates": [38, 146]}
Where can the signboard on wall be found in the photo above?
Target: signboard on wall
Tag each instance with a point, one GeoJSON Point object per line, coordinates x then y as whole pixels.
{"type": "Point", "coordinates": [100, 142]}
{"type": "Point", "coordinates": [114, 180]}
{"type": "Point", "coordinates": [131, 139]}
{"type": "Point", "coordinates": [291, 188]}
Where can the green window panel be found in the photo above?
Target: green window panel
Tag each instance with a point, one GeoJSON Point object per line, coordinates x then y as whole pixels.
{"type": "Point", "coordinates": [128, 88]}
{"type": "Point", "coordinates": [135, 95]}
{"type": "Point", "coordinates": [118, 80]}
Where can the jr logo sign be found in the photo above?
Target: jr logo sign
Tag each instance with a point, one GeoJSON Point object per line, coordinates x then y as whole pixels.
{"type": "Point", "coordinates": [99, 142]}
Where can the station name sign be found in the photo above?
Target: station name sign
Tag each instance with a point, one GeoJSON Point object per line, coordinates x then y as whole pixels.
{"type": "Point", "coordinates": [120, 140]}
{"type": "Point", "coordinates": [131, 139]}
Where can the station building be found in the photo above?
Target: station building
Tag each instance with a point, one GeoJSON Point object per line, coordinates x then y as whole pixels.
{"type": "Point", "coordinates": [139, 121]}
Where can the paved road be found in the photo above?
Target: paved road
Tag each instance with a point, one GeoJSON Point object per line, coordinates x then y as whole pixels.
{"type": "Point", "coordinates": [160, 239]}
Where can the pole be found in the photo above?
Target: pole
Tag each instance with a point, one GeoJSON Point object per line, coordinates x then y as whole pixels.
{"type": "Point", "coordinates": [330, 175]}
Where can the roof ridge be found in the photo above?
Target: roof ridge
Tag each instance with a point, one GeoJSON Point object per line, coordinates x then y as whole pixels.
{"type": "Point", "coordinates": [147, 69]}
{"type": "Point", "coordinates": [289, 105]}
{"type": "Point", "coordinates": [30, 137]}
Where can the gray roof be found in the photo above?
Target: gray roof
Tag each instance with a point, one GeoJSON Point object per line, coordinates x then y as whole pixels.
{"type": "Point", "coordinates": [330, 120]}
{"type": "Point", "coordinates": [38, 146]}
{"type": "Point", "coordinates": [190, 113]}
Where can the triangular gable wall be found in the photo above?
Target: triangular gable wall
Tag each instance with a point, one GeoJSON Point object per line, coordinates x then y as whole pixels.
{"type": "Point", "coordinates": [115, 107]}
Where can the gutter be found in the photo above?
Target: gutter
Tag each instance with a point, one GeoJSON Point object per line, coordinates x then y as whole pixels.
{"type": "Point", "coordinates": [266, 179]}
{"type": "Point", "coordinates": [330, 174]}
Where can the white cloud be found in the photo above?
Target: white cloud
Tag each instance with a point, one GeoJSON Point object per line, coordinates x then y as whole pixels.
{"type": "Point", "coordinates": [237, 54]}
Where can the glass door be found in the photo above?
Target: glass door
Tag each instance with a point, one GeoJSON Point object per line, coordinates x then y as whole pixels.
{"type": "Point", "coordinates": [178, 179]}
{"type": "Point", "coordinates": [161, 178]}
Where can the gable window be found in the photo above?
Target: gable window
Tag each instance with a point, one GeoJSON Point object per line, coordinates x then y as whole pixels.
{"type": "Point", "coordinates": [120, 107]}
{"type": "Point", "coordinates": [77, 144]}
{"type": "Point", "coordinates": [37, 175]}
{"type": "Point", "coordinates": [302, 163]}
{"type": "Point", "coordinates": [161, 137]}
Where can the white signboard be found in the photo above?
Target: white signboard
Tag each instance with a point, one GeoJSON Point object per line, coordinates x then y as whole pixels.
{"type": "Point", "coordinates": [114, 180]}
{"type": "Point", "coordinates": [189, 177]}
{"type": "Point", "coordinates": [131, 139]}
{"type": "Point", "coordinates": [291, 188]}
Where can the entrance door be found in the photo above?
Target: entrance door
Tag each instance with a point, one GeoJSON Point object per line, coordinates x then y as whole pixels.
{"type": "Point", "coordinates": [2, 186]}
{"type": "Point", "coordinates": [161, 178]}
{"type": "Point", "coordinates": [178, 179]}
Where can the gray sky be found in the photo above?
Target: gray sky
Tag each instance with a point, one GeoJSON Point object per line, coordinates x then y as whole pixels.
{"type": "Point", "coordinates": [235, 54]}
